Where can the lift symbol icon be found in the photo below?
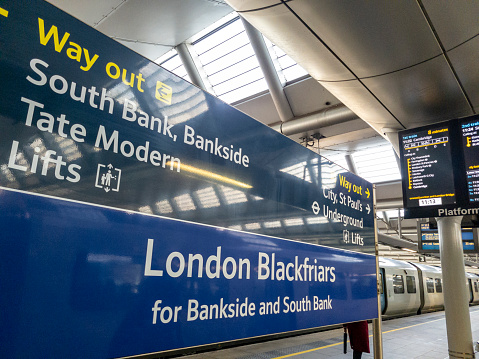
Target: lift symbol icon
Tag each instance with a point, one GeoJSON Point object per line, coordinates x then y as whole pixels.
{"type": "Point", "coordinates": [108, 178]}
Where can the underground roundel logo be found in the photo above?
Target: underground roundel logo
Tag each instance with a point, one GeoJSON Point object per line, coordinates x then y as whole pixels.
{"type": "Point", "coordinates": [108, 177]}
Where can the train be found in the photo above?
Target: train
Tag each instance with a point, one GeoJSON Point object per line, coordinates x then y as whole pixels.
{"type": "Point", "coordinates": [414, 288]}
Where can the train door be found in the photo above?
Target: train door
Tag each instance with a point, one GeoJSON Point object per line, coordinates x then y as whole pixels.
{"type": "Point", "coordinates": [382, 287]}
{"type": "Point", "coordinates": [471, 290]}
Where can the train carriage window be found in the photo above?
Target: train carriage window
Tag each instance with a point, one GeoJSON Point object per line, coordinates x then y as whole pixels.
{"type": "Point", "coordinates": [410, 284]}
{"type": "Point", "coordinates": [475, 287]}
{"type": "Point", "coordinates": [430, 285]}
{"type": "Point", "coordinates": [398, 284]}
{"type": "Point", "coordinates": [438, 285]}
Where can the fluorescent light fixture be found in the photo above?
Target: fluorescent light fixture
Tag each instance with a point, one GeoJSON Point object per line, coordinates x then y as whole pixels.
{"type": "Point", "coordinates": [408, 250]}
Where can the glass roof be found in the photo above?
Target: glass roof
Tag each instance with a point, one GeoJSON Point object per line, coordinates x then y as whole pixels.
{"type": "Point", "coordinates": [226, 57]}
{"type": "Point", "coordinates": [230, 68]}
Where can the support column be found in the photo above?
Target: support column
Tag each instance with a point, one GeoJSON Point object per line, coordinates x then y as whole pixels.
{"type": "Point", "coordinates": [456, 298]}
{"type": "Point", "coordinates": [275, 88]}
{"type": "Point", "coordinates": [190, 66]}
{"type": "Point", "coordinates": [350, 162]}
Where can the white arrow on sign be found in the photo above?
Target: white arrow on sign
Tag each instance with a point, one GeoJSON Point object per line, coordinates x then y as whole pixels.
{"type": "Point", "coordinates": [368, 208]}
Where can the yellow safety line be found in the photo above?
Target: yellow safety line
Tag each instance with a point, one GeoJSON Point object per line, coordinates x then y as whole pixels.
{"type": "Point", "coordinates": [310, 350]}
{"type": "Point", "coordinates": [410, 326]}
{"type": "Point", "coordinates": [3, 12]}
{"type": "Point", "coordinates": [335, 344]}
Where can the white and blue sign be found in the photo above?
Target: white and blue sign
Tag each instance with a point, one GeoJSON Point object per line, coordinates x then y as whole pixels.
{"type": "Point", "coordinates": [140, 214]}
{"type": "Point", "coordinates": [89, 282]}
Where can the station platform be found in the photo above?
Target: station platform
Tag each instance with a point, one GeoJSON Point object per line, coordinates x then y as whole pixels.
{"type": "Point", "coordinates": [420, 336]}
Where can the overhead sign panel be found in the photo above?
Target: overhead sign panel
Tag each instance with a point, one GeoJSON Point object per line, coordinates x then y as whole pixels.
{"type": "Point", "coordinates": [440, 170]}
{"type": "Point", "coordinates": [85, 118]}
{"type": "Point", "coordinates": [141, 214]}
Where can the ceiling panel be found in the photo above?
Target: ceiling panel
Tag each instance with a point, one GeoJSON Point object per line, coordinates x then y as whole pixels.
{"type": "Point", "coordinates": [347, 143]}
{"type": "Point", "coordinates": [150, 51]}
{"type": "Point", "coordinates": [352, 139]}
{"type": "Point", "coordinates": [317, 99]}
{"type": "Point", "coordinates": [371, 37]}
{"type": "Point", "coordinates": [260, 108]}
{"type": "Point", "coordinates": [246, 5]}
{"type": "Point", "coordinates": [454, 21]}
{"type": "Point", "coordinates": [168, 22]}
{"type": "Point", "coordinates": [356, 97]}
{"type": "Point", "coordinates": [464, 61]}
{"type": "Point", "coordinates": [88, 11]}
{"type": "Point", "coordinates": [298, 42]}
{"type": "Point", "coordinates": [421, 94]}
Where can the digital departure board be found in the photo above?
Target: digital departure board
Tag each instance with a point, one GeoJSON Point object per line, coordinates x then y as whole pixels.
{"type": "Point", "coordinates": [470, 146]}
{"type": "Point", "coordinates": [428, 160]}
{"type": "Point", "coordinates": [440, 169]}
{"type": "Point", "coordinates": [429, 239]}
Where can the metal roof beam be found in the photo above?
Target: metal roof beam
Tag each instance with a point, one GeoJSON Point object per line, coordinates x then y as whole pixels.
{"type": "Point", "coordinates": [271, 76]}
{"type": "Point", "coordinates": [190, 66]}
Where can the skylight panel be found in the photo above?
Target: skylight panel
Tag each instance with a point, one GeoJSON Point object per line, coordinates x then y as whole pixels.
{"type": "Point", "coordinates": [234, 70]}
{"type": "Point", "coordinates": [377, 164]}
{"type": "Point", "coordinates": [218, 33]}
{"type": "Point", "coordinates": [226, 61]}
{"type": "Point", "coordinates": [288, 69]}
{"type": "Point", "coordinates": [245, 91]}
{"type": "Point", "coordinates": [226, 47]}
{"type": "Point", "coordinates": [172, 62]}
{"type": "Point", "coordinates": [229, 62]}
{"type": "Point", "coordinates": [249, 77]}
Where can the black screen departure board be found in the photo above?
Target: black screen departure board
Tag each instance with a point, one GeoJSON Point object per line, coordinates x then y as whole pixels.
{"type": "Point", "coordinates": [440, 169]}
{"type": "Point", "coordinates": [428, 160]}
{"type": "Point", "coordinates": [470, 146]}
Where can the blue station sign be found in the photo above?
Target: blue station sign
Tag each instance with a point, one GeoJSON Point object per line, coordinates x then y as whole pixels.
{"type": "Point", "coordinates": [140, 214]}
